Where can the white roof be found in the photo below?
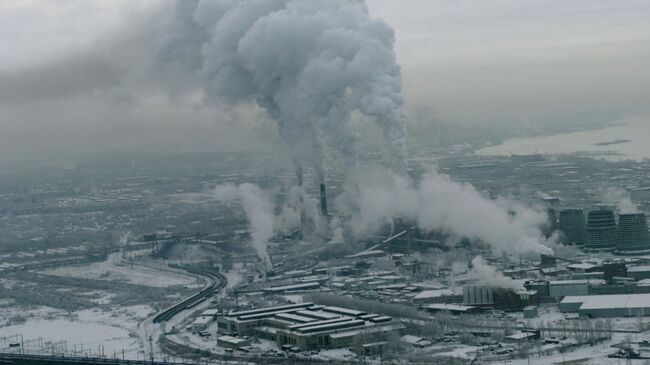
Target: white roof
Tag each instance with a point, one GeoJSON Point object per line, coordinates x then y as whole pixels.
{"type": "Point", "coordinates": [449, 307]}
{"type": "Point", "coordinates": [574, 299]}
{"type": "Point", "coordinates": [582, 266]}
{"type": "Point", "coordinates": [202, 320]}
{"type": "Point", "coordinates": [210, 312]}
{"type": "Point", "coordinates": [638, 268]}
{"type": "Point", "coordinates": [616, 301]}
{"type": "Point", "coordinates": [231, 339]}
{"type": "Point", "coordinates": [520, 335]}
{"type": "Point", "coordinates": [433, 293]}
{"type": "Point", "coordinates": [577, 282]}
{"type": "Point", "coordinates": [411, 339]}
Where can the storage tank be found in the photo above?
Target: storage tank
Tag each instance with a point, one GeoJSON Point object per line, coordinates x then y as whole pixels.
{"type": "Point", "coordinates": [478, 295]}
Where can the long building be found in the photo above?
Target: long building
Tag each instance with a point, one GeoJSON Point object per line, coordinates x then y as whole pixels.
{"type": "Point", "coordinates": [633, 235]}
{"type": "Point", "coordinates": [601, 230]}
{"type": "Point", "coordinates": [308, 326]}
{"type": "Point", "coordinates": [605, 306]}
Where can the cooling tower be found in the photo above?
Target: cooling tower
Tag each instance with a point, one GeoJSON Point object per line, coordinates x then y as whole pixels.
{"type": "Point", "coordinates": [601, 230]}
{"type": "Point", "coordinates": [572, 225]}
{"type": "Point", "coordinates": [632, 234]}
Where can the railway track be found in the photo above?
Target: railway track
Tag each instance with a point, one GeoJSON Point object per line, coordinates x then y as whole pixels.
{"type": "Point", "coordinates": [218, 282]}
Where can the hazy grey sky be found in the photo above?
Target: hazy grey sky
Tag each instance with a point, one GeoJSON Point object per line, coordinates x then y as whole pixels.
{"type": "Point", "coordinates": [472, 61]}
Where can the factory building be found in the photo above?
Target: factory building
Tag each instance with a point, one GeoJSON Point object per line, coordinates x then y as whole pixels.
{"type": "Point", "coordinates": [601, 230]}
{"type": "Point", "coordinates": [451, 308]}
{"type": "Point", "coordinates": [496, 297]}
{"type": "Point", "coordinates": [541, 287]}
{"type": "Point", "coordinates": [231, 342]}
{"type": "Point", "coordinates": [613, 270]}
{"type": "Point", "coordinates": [559, 289]}
{"type": "Point", "coordinates": [478, 295]}
{"type": "Point", "coordinates": [312, 285]}
{"type": "Point", "coordinates": [308, 326]}
{"type": "Point", "coordinates": [607, 306]}
{"type": "Point", "coordinates": [633, 235]}
{"type": "Point", "coordinates": [572, 226]}
{"type": "Point", "coordinates": [639, 272]}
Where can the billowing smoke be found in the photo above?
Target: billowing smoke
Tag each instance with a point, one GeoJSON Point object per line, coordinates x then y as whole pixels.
{"type": "Point", "coordinates": [308, 64]}
{"type": "Point", "coordinates": [621, 199]}
{"type": "Point", "coordinates": [259, 211]}
{"type": "Point", "coordinates": [488, 275]}
{"type": "Point", "coordinates": [298, 203]}
{"type": "Point", "coordinates": [436, 203]}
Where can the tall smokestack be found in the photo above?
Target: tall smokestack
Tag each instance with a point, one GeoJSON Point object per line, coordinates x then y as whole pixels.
{"type": "Point", "coordinates": [303, 215]}
{"type": "Point", "coordinates": [323, 200]}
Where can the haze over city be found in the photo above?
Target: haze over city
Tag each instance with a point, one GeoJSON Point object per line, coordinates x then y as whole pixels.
{"type": "Point", "coordinates": [324, 181]}
{"type": "Point", "coordinates": [502, 62]}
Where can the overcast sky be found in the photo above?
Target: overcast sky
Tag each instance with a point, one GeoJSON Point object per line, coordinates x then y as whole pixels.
{"type": "Point", "coordinates": [553, 61]}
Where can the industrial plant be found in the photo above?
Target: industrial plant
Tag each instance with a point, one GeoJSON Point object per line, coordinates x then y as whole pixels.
{"type": "Point", "coordinates": [205, 182]}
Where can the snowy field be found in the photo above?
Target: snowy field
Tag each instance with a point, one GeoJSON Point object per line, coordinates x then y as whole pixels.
{"type": "Point", "coordinates": [118, 270]}
{"type": "Point", "coordinates": [89, 332]}
{"type": "Point", "coordinates": [99, 309]}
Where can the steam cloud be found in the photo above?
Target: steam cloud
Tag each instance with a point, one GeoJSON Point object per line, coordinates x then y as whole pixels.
{"type": "Point", "coordinates": [621, 199]}
{"type": "Point", "coordinates": [259, 211]}
{"type": "Point", "coordinates": [373, 198]}
{"type": "Point", "coordinates": [488, 275]}
{"type": "Point", "coordinates": [308, 64]}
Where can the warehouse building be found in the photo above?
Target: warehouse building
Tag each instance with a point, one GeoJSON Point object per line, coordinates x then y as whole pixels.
{"type": "Point", "coordinates": [451, 308]}
{"type": "Point", "coordinates": [607, 306]}
{"type": "Point", "coordinates": [308, 326]}
{"type": "Point", "coordinates": [572, 303]}
{"type": "Point", "coordinates": [231, 342]}
{"type": "Point", "coordinates": [312, 285]}
{"type": "Point", "coordinates": [558, 289]}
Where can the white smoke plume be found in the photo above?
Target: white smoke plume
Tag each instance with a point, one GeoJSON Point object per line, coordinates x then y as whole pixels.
{"type": "Point", "coordinates": [488, 275]}
{"type": "Point", "coordinates": [259, 211]}
{"type": "Point", "coordinates": [297, 203]}
{"type": "Point", "coordinates": [458, 267]}
{"type": "Point", "coordinates": [620, 198]}
{"type": "Point", "coordinates": [308, 64]}
{"type": "Point", "coordinates": [375, 197]}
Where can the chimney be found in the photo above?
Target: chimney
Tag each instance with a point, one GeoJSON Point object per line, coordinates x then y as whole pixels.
{"type": "Point", "coordinates": [323, 200]}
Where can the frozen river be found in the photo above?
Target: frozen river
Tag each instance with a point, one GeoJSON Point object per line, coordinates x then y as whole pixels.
{"type": "Point", "coordinates": [628, 140]}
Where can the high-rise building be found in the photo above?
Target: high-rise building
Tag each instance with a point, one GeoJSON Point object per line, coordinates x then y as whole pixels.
{"type": "Point", "coordinates": [632, 233]}
{"type": "Point", "coordinates": [601, 230]}
{"type": "Point", "coordinates": [572, 225]}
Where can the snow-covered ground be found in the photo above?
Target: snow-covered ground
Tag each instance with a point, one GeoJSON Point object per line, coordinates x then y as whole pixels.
{"type": "Point", "coordinates": [108, 329]}
{"type": "Point", "coordinates": [119, 270]}
{"type": "Point", "coordinates": [90, 332]}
